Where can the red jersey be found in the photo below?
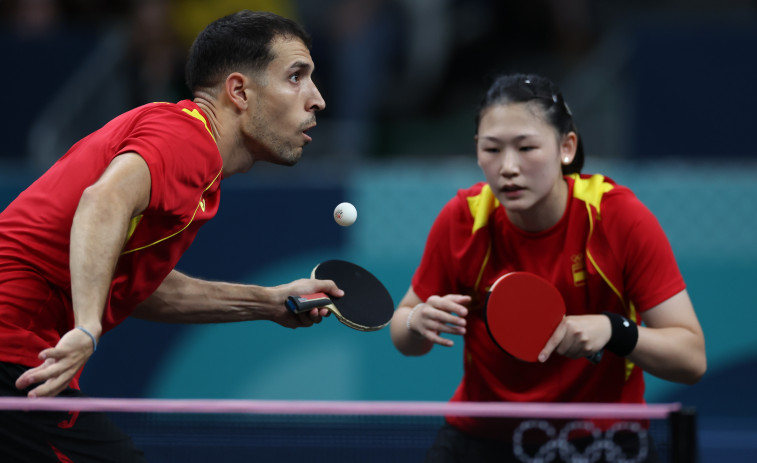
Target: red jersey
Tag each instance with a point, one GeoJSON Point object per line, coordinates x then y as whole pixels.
{"type": "Point", "coordinates": [176, 142]}
{"type": "Point", "coordinates": [607, 253]}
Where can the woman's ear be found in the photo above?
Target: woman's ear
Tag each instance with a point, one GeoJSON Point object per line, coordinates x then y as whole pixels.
{"type": "Point", "coordinates": [568, 147]}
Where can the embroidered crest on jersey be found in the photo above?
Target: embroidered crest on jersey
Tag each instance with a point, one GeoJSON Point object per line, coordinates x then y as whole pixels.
{"type": "Point", "coordinates": [578, 270]}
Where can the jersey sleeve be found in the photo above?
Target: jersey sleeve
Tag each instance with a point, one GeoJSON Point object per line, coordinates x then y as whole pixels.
{"type": "Point", "coordinates": [434, 275]}
{"type": "Point", "coordinates": [650, 270]}
{"type": "Point", "coordinates": [181, 155]}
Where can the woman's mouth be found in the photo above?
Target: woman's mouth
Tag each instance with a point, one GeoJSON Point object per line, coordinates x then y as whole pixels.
{"type": "Point", "coordinates": [512, 191]}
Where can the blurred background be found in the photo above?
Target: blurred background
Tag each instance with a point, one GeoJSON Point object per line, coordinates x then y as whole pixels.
{"type": "Point", "coordinates": [663, 93]}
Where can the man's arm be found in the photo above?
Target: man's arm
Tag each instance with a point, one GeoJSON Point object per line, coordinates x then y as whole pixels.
{"type": "Point", "coordinates": [183, 299]}
{"type": "Point", "coordinates": [98, 233]}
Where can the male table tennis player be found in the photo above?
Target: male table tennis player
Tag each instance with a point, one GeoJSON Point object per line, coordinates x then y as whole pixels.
{"type": "Point", "coordinates": [95, 239]}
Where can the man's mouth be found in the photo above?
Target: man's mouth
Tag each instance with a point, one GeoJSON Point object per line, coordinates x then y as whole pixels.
{"type": "Point", "coordinates": [308, 138]}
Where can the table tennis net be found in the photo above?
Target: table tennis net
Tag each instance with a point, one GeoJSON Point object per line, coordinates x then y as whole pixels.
{"type": "Point", "coordinates": [331, 431]}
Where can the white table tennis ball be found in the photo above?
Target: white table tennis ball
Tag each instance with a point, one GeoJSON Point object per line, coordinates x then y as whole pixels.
{"type": "Point", "coordinates": [345, 214]}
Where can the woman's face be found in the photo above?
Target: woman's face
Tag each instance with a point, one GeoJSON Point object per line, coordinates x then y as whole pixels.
{"type": "Point", "coordinates": [521, 156]}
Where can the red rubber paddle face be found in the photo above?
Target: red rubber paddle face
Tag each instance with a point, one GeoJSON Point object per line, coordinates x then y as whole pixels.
{"type": "Point", "coordinates": [522, 312]}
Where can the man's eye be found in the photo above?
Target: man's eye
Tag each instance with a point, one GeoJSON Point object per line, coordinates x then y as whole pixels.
{"type": "Point", "coordinates": [295, 77]}
{"type": "Point", "coordinates": [527, 148]}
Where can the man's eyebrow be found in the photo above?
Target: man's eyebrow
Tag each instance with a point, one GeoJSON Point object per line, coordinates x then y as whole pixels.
{"type": "Point", "coordinates": [300, 65]}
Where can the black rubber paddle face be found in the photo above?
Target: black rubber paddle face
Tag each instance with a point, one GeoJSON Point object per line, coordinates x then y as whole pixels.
{"type": "Point", "coordinates": [366, 304]}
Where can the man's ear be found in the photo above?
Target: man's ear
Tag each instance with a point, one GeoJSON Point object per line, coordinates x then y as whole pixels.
{"type": "Point", "coordinates": [237, 90]}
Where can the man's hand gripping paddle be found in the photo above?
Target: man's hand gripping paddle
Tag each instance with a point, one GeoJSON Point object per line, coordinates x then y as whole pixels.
{"type": "Point", "coordinates": [366, 304]}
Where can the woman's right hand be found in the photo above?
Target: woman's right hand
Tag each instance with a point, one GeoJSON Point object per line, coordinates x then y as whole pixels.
{"type": "Point", "coordinates": [439, 314]}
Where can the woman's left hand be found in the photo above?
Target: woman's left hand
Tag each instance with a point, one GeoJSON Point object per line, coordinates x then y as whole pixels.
{"type": "Point", "coordinates": [578, 336]}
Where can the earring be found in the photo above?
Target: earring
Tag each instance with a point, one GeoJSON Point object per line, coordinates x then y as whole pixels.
{"type": "Point", "coordinates": [566, 159]}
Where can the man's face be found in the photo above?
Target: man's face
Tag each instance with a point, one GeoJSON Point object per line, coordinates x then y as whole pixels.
{"type": "Point", "coordinates": [286, 100]}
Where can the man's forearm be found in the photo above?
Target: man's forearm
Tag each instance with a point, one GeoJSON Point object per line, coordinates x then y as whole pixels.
{"type": "Point", "coordinates": [97, 235]}
{"type": "Point", "coordinates": [183, 299]}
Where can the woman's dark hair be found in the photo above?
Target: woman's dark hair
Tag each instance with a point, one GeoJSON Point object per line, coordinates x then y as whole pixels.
{"type": "Point", "coordinates": [238, 42]}
{"type": "Point", "coordinates": [535, 89]}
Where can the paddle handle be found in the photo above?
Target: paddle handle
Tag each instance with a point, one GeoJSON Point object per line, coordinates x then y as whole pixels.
{"type": "Point", "coordinates": [305, 302]}
{"type": "Point", "coordinates": [596, 356]}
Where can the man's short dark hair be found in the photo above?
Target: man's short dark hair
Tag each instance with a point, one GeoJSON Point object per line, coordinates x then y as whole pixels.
{"type": "Point", "coordinates": [239, 42]}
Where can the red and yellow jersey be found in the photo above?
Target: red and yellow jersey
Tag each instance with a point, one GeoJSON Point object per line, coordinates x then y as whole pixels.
{"type": "Point", "coordinates": [177, 144]}
{"type": "Point", "coordinates": [607, 253]}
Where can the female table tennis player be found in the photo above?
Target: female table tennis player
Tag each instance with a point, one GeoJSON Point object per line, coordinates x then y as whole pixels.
{"type": "Point", "coordinates": [588, 236]}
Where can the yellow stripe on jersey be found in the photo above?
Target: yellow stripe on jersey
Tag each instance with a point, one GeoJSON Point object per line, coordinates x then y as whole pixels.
{"type": "Point", "coordinates": [196, 114]}
{"type": "Point", "coordinates": [133, 226]}
{"type": "Point", "coordinates": [481, 206]}
{"type": "Point", "coordinates": [590, 191]}
{"type": "Point", "coordinates": [200, 204]}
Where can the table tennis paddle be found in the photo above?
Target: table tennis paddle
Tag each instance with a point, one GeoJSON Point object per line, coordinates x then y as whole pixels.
{"type": "Point", "coordinates": [366, 304]}
{"type": "Point", "coordinates": [522, 312]}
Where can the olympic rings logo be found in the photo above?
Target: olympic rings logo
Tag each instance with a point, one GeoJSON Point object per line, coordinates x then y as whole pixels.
{"type": "Point", "coordinates": [561, 444]}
